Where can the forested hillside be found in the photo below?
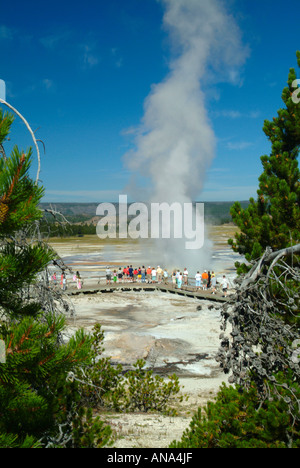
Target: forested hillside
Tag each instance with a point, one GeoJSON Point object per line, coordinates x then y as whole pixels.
{"type": "Point", "coordinates": [85, 213]}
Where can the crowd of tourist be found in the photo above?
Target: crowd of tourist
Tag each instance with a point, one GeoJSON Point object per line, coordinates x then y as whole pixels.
{"type": "Point", "coordinates": [178, 278]}
{"type": "Point", "coordinates": [140, 275]}
{"type": "Point", "coordinates": [62, 280]}
{"type": "Point", "coordinates": [205, 281]}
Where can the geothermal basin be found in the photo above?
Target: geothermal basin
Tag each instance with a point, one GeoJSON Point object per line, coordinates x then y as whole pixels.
{"type": "Point", "coordinates": [173, 334]}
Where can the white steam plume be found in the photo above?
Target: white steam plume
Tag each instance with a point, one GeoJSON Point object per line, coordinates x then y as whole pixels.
{"type": "Point", "coordinates": [175, 143]}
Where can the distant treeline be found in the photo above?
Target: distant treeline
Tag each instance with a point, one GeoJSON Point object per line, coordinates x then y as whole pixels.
{"type": "Point", "coordinates": [218, 213]}
{"type": "Point", "coordinates": [82, 218]}
{"type": "Point", "coordinates": [53, 229]}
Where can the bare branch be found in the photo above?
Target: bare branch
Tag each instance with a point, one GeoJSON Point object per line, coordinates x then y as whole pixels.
{"type": "Point", "coordinates": [31, 133]}
{"type": "Point", "coordinates": [261, 343]}
{"type": "Point", "coordinates": [266, 259]}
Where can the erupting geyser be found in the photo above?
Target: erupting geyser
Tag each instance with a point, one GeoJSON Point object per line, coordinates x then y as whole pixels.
{"type": "Point", "coordinates": [175, 143]}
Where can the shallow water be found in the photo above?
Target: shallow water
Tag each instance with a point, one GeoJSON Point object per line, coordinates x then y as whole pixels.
{"type": "Point", "coordinates": [168, 331]}
{"type": "Point", "coordinates": [91, 258]}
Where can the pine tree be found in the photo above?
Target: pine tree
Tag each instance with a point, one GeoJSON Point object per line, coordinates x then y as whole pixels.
{"type": "Point", "coordinates": [274, 218]}
{"type": "Point", "coordinates": [36, 397]}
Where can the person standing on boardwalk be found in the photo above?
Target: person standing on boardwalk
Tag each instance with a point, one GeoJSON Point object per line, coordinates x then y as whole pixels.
{"type": "Point", "coordinates": [130, 271]}
{"type": "Point", "coordinates": [108, 275]}
{"type": "Point", "coordinates": [185, 276]}
{"type": "Point", "coordinates": [204, 279]}
{"type": "Point", "coordinates": [209, 280]}
{"type": "Point", "coordinates": [159, 274]}
{"type": "Point", "coordinates": [149, 274]}
{"type": "Point", "coordinates": [179, 280]}
{"type": "Point", "coordinates": [78, 280]}
{"type": "Point", "coordinates": [143, 272]}
{"type": "Point", "coordinates": [54, 279]}
{"type": "Point", "coordinates": [198, 280]}
{"type": "Point", "coordinates": [225, 285]}
{"type": "Point", "coordinates": [153, 275]}
{"type": "Point", "coordinates": [174, 278]}
{"type": "Point", "coordinates": [213, 283]}
{"type": "Point", "coordinates": [166, 276]}
{"type": "Point", "coordinates": [120, 275]}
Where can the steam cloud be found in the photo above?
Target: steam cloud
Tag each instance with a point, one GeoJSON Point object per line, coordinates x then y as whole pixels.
{"type": "Point", "coordinates": [175, 143]}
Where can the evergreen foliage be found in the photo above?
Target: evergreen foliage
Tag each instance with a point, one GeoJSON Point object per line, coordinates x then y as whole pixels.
{"type": "Point", "coordinates": [135, 390]}
{"type": "Point", "coordinates": [262, 410]}
{"type": "Point", "coordinates": [274, 218]}
{"type": "Point", "coordinates": [36, 398]}
{"type": "Point", "coordinates": [233, 420]}
{"type": "Point", "coordinates": [49, 389]}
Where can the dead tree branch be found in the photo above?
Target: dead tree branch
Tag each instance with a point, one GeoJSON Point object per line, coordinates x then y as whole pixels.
{"type": "Point", "coordinates": [266, 259]}
{"type": "Point", "coordinates": [31, 133]}
{"type": "Point", "coordinates": [263, 322]}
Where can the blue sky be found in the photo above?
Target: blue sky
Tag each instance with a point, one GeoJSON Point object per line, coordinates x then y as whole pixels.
{"type": "Point", "coordinates": [80, 73]}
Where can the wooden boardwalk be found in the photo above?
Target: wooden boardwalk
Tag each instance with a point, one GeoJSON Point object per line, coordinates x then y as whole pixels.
{"type": "Point", "coordinates": [187, 291]}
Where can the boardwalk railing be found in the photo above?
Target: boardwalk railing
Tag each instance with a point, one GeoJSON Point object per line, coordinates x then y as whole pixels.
{"type": "Point", "coordinates": [187, 291]}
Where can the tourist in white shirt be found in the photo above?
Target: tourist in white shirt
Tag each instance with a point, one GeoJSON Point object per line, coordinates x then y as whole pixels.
{"type": "Point", "coordinates": [198, 280]}
{"type": "Point", "coordinates": [179, 280]}
{"type": "Point", "coordinates": [153, 275]}
{"type": "Point", "coordinates": [225, 285]}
